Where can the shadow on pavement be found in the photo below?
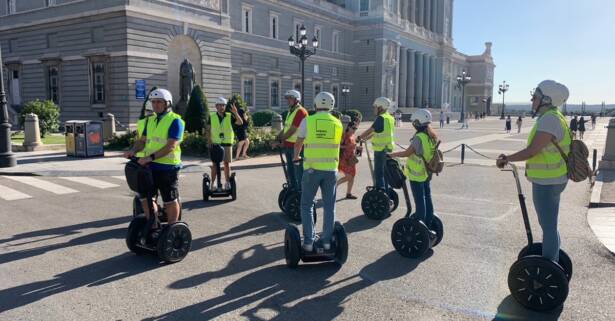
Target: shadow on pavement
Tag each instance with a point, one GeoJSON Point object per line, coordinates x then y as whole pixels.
{"type": "Point", "coordinates": [278, 286]}
{"type": "Point", "coordinates": [199, 204]}
{"type": "Point", "coordinates": [360, 223]}
{"type": "Point", "coordinates": [509, 310]}
{"type": "Point", "coordinates": [98, 273]}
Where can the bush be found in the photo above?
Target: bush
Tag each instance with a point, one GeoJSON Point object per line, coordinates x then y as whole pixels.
{"type": "Point", "coordinates": [262, 118]}
{"type": "Point", "coordinates": [355, 115]}
{"type": "Point", "coordinates": [48, 115]}
{"type": "Point", "coordinates": [194, 144]}
{"type": "Point", "coordinates": [123, 141]}
{"type": "Point", "coordinates": [197, 111]}
{"type": "Point", "coordinates": [260, 141]}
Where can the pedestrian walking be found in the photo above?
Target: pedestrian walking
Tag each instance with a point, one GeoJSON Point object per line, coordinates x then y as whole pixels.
{"type": "Point", "coordinates": [508, 125]}
{"type": "Point", "coordinates": [441, 119]}
{"type": "Point", "coordinates": [519, 124]}
{"type": "Point", "coordinates": [348, 159]}
{"type": "Point", "coordinates": [574, 126]}
{"type": "Point", "coordinates": [593, 121]}
{"type": "Point", "coordinates": [398, 118]}
{"type": "Point", "coordinates": [581, 127]}
{"type": "Point", "coordinates": [241, 132]}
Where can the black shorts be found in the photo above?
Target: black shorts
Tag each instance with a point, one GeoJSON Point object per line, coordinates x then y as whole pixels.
{"type": "Point", "coordinates": [241, 134]}
{"type": "Point", "coordinates": [166, 183]}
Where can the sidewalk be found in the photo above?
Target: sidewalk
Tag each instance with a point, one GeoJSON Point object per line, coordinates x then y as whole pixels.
{"type": "Point", "coordinates": [601, 213]}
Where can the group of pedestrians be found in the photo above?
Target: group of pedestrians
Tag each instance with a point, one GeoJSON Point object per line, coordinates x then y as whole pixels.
{"type": "Point", "coordinates": [578, 124]}
{"type": "Point", "coordinates": [508, 124]}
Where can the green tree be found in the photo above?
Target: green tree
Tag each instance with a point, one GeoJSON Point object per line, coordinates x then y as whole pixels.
{"type": "Point", "coordinates": [197, 112]}
{"type": "Point", "coordinates": [48, 115]}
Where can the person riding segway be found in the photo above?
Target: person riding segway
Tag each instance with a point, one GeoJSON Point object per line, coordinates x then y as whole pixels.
{"type": "Point", "coordinates": [159, 171]}
{"type": "Point", "coordinates": [220, 141]}
{"type": "Point", "coordinates": [380, 200]}
{"type": "Point", "coordinates": [321, 135]}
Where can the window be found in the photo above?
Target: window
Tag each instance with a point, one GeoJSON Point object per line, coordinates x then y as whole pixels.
{"type": "Point", "coordinates": [247, 88]}
{"type": "Point", "coordinates": [317, 33]}
{"type": "Point", "coordinates": [53, 84]}
{"type": "Point", "coordinates": [297, 85]}
{"type": "Point", "coordinates": [335, 45]}
{"type": "Point", "coordinates": [10, 7]}
{"type": "Point", "coordinates": [50, 3]}
{"type": "Point", "coordinates": [246, 19]}
{"type": "Point", "coordinates": [274, 30]}
{"type": "Point", "coordinates": [335, 92]}
{"type": "Point", "coordinates": [15, 88]}
{"type": "Point", "coordinates": [98, 82]}
{"type": "Point", "coordinates": [334, 71]}
{"type": "Point", "coordinates": [364, 7]}
{"type": "Point", "coordinates": [317, 88]}
{"type": "Point", "coordinates": [316, 69]}
{"type": "Point", "coordinates": [274, 93]}
{"type": "Point", "coordinates": [52, 40]}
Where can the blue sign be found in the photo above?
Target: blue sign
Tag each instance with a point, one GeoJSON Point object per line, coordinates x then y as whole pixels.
{"type": "Point", "coordinates": [140, 88]}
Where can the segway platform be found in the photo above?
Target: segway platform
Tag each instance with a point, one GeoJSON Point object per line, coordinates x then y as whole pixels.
{"type": "Point", "coordinates": [294, 252]}
{"type": "Point", "coordinates": [208, 192]}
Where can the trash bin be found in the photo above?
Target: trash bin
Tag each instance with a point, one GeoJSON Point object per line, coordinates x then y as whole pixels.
{"type": "Point", "coordinates": [89, 138]}
{"type": "Point", "coordinates": [69, 137]}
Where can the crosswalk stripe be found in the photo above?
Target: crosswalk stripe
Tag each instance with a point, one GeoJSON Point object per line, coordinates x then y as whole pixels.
{"type": "Point", "coordinates": [122, 178]}
{"type": "Point", "coordinates": [41, 184]}
{"type": "Point", "coordinates": [9, 194]}
{"type": "Point", "coordinates": [90, 182]}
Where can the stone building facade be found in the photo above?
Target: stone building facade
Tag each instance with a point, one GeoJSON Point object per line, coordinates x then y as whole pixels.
{"type": "Point", "coordinates": [87, 55]}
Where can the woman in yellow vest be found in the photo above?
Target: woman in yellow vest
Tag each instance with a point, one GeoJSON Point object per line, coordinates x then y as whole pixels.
{"type": "Point", "coordinates": [160, 141]}
{"type": "Point", "coordinates": [321, 136]}
{"type": "Point", "coordinates": [421, 150]}
{"type": "Point", "coordinates": [544, 166]}
{"type": "Point", "coordinates": [221, 133]}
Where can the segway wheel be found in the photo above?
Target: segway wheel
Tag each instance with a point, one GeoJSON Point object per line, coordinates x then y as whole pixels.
{"type": "Point", "coordinates": [410, 238]}
{"type": "Point", "coordinates": [233, 187]}
{"type": "Point", "coordinates": [206, 187]}
{"type": "Point", "coordinates": [437, 226]}
{"type": "Point", "coordinates": [375, 204]}
{"type": "Point", "coordinates": [536, 249]}
{"type": "Point", "coordinates": [133, 235]}
{"type": "Point", "coordinates": [292, 206]}
{"type": "Point", "coordinates": [394, 198]}
{"type": "Point", "coordinates": [137, 207]}
{"type": "Point", "coordinates": [292, 246]}
{"type": "Point", "coordinates": [340, 243]}
{"type": "Point", "coordinates": [282, 197]}
{"type": "Point", "coordinates": [537, 283]}
{"type": "Point", "coordinates": [174, 242]}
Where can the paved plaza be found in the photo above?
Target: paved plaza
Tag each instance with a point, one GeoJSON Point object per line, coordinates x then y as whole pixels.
{"type": "Point", "coordinates": [63, 255]}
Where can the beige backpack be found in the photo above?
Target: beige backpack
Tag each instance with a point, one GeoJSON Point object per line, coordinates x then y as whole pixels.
{"type": "Point", "coordinates": [576, 160]}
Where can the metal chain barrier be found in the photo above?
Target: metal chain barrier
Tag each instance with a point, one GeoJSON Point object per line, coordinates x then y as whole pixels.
{"type": "Point", "coordinates": [480, 154]}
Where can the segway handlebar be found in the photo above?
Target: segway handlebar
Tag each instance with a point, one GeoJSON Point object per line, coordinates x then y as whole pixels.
{"type": "Point", "coordinates": [526, 221]}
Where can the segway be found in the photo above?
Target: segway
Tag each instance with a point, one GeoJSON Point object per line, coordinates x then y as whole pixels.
{"type": "Point", "coordinates": [377, 203]}
{"type": "Point", "coordinates": [410, 236]}
{"type": "Point", "coordinates": [536, 282]}
{"type": "Point", "coordinates": [294, 252]}
{"type": "Point", "coordinates": [137, 208]}
{"type": "Point", "coordinates": [217, 156]}
{"type": "Point", "coordinates": [171, 242]}
{"type": "Point", "coordinates": [289, 199]}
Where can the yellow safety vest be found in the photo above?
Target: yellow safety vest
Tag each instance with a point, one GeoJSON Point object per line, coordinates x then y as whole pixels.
{"type": "Point", "coordinates": [415, 169]}
{"type": "Point", "coordinates": [140, 129]}
{"type": "Point", "coordinates": [157, 136]}
{"type": "Point", "coordinates": [322, 142]}
{"type": "Point", "coordinates": [288, 123]}
{"type": "Point", "coordinates": [222, 133]}
{"type": "Point", "coordinates": [385, 139]}
{"type": "Point", "coordinates": [549, 163]}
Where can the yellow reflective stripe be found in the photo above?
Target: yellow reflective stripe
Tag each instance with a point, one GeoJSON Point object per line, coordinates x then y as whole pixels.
{"type": "Point", "coordinates": [322, 146]}
{"type": "Point", "coordinates": [542, 166]}
{"type": "Point", "coordinates": [321, 160]}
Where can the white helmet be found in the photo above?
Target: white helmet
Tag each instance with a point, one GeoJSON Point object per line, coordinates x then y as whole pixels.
{"type": "Point", "coordinates": [383, 102]}
{"type": "Point", "coordinates": [221, 101]}
{"type": "Point", "coordinates": [293, 93]}
{"type": "Point", "coordinates": [421, 117]}
{"type": "Point", "coordinates": [324, 101]}
{"type": "Point", "coordinates": [552, 92]}
{"type": "Point", "coordinates": [393, 108]}
{"type": "Point", "coordinates": [161, 94]}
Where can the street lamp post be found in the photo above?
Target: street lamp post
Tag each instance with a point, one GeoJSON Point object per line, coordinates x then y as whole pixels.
{"type": "Point", "coordinates": [502, 91]}
{"type": "Point", "coordinates": [603, 109]}
{"type": "Point", "coordinates": [463, 79]}
{"type": "Point", "coordinates": [301, 50]}
{"type": "Point", "coordinates": [7, 158]}
{"type": "Point", "coordinates": [345, 93]}
{"type": "Point", "coordinates": [582, 108]}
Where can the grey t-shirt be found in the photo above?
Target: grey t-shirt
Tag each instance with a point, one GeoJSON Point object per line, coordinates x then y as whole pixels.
{"type": "Point", "coordinates": [550, 124]}
{"type": "Point", "coordinates": [417, 144]}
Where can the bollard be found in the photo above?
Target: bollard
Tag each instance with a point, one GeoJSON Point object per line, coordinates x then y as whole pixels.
{"type": "Point", "coordinates": [463, 153]}
{"type": "Point", "coordinates": [276, 123]}
{"type": "Point", "coordinates": [32, 133]}
{"type": "Point", "coordinates": [108, 126]}
{"type": "Point", "coordinates": [608, 157]}
{"type": "Point", "coordinates": [594, 160]}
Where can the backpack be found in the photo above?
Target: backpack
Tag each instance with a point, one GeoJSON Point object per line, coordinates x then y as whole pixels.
{"type": "Point", "coordinates": [393, 173]}
{"type": "Point", "coordinates": [436, 164]}
{"type": "Point", "coordinates": [576, 160]}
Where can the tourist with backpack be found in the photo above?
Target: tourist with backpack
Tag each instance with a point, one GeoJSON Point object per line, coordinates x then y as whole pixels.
{"type": "Point", "coordinates": [549, 160]}
{"type": "Point", "coordinates": [420, 153]}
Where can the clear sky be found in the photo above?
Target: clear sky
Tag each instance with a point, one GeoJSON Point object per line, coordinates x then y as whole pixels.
{"type": "Point", "coordinates": [572, 42]}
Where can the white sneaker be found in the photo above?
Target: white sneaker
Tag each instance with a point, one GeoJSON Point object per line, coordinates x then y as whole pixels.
{"type": "Point", "coordinates": [308, 247]}
{"type": "Point", "coordinates": [227, 186]}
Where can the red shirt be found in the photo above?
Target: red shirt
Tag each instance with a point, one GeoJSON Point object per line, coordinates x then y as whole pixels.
{"type": "Point", "coordinates": [299, 116]}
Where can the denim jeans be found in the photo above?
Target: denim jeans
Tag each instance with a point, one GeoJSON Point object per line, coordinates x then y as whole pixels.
{"type": "Point", "coordinates": [312, 180]}
{"type": "Point", "coordinates": [546, 202]}
{"type": "Point", "coordinates": [379, 162]}
{"type": "Point", "coordinates": [421, 191]}
{"type": "Point", "coordinates": [295, 171]}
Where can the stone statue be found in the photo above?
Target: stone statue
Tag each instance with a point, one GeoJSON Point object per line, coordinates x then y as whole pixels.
{"type": "Point", "coordinates": [186, 80]}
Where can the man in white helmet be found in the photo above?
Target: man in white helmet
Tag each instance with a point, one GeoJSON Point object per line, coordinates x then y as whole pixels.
{"type": "Point", "coordinates": [288, 136]}
{"type": "Point", "coordinates": [160, 142]}
{"type": "Point", "coordinates": [382, 133]}
{"type": "Point", "coordinates": [321, 136]}
{"type": "Point", "coordinates": [545, 166]}
{"type": "Point", "coordinates": [220, 129]}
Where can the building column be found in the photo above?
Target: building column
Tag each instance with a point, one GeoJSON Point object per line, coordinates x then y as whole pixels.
{"type": "Point", "coordinates": [434, 16]}
{"type": "Point", "coordinates": [418, 80]}
{"type": "Point", "coordinates": [411, 11]}
{"type": "Point", "coordinates": [426, 75]}
{"type": "Point", "coordinates": [419, 12]}
{"type": "Point", "coordinates": [410, 81]}
{"type": "Point", "coordinates": [432, 80]}
{"type": "Point", "coordinates": [439, 81]}
{"type": "Point", "coordinates": [427, 13]}
{"type": "Point", "coordinates": [403, 75]}
{"type": "Point", "coordinates": [403, 10]}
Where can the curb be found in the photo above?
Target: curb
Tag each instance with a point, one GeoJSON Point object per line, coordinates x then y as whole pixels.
{"type": "Point", "coordinates": [601, 217]}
